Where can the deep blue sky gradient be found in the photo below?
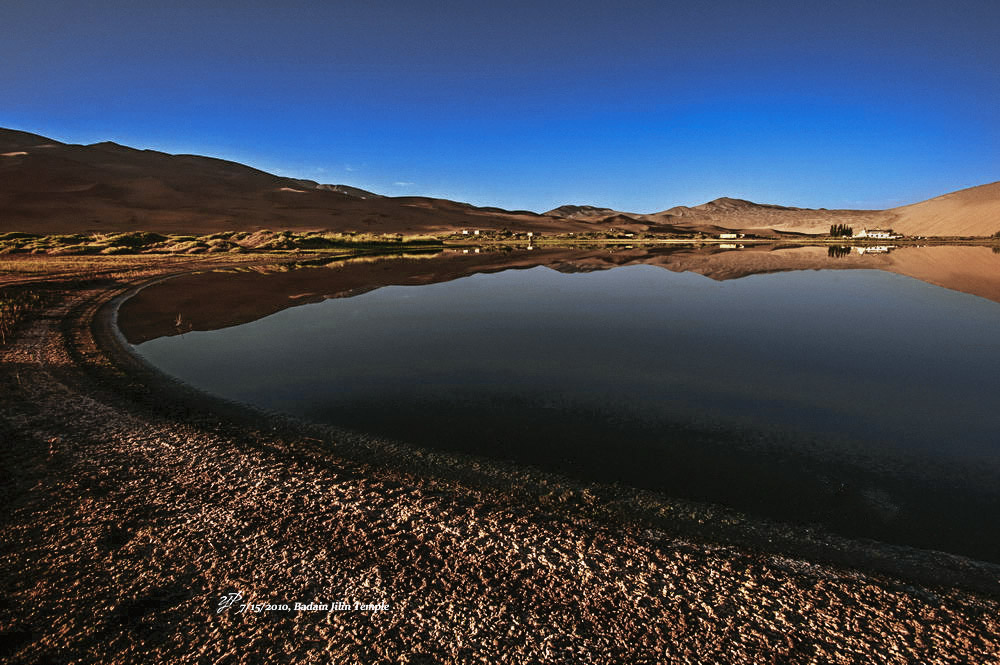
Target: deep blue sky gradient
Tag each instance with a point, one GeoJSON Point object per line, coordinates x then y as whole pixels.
{"type": "Point", "coordinates": [633, 105]}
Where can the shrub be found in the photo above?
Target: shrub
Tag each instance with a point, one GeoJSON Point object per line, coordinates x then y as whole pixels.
{"type": "Point", "coordinates": [135, 240]}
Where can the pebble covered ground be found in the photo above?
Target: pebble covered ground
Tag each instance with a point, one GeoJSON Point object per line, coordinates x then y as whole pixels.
{"type": "Point", "coordinates": [124, 525]}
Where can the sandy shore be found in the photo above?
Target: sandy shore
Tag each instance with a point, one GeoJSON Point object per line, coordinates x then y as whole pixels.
{"type": "Point", "coordinates": [133, 504]}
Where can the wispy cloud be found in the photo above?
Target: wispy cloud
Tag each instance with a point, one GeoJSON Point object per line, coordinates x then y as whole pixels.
{"type": "Point", "coordinates": [403, 184]}
{"type": "Point", "coordinates": [348, 167]}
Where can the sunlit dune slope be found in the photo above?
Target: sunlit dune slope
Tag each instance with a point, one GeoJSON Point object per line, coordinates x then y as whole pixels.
{"type": "Point", "coordinates": [967, 212]}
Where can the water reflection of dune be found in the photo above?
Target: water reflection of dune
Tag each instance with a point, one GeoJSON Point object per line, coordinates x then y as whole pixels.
{"type": "Point", "coordinates": [969, 269]}
{"type": "Point", "coordinates": [974, 270]}
{"type": "Point", "coordinates": [214, 300]}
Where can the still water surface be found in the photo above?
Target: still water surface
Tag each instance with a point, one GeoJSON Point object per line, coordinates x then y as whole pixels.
{"type": "Point", "coordinates": [860, 399]}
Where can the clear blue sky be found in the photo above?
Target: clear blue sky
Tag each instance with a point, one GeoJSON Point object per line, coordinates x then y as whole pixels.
{"type": "Point", "coordinates": [632, 105]}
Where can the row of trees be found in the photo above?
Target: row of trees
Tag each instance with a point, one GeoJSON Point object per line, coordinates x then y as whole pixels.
{"type": "Point", "coordinates": [841, 230]}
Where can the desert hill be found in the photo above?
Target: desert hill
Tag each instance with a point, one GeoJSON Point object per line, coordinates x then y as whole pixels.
{"type": "Point", "coordinates": [601, 219]}
{"type": "Point", "coordinates": [51, 187]}
{"type": "Point", "coordinates": [968, 212]}
{"type": "Point", "coordinates": [347, 189]}
{"type": "Point", "coordinates": [723, 206]}
{"type": "Point", "coordinates": [587, 213]}
{"type": "Point", "coordinates": [725, 213]}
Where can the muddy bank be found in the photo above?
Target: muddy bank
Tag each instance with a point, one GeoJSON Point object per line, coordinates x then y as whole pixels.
{"type": "Point", "coordinates": [133, 504]}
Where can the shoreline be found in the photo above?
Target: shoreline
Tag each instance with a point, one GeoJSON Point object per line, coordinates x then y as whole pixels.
{"type": "Point", "coordinates": [139, 243]}
{"type": "Point", "coordinates": [164, 492]}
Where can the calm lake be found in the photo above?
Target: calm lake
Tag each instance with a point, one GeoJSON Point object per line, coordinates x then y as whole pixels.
{"type": "Point", "coordinates": [801, 384]}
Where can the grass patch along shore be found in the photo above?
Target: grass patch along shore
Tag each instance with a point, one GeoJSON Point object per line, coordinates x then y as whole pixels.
{"type": "Point", "coordinates": [142, 242]}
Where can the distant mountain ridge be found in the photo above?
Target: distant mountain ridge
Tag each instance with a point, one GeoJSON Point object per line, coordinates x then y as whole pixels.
{"type": "Point", "coordinates": [47, 186]}
{"type": "Point", "coordinates": [722, 214]}
{"type": "Point", "coordinates": [972, 212]}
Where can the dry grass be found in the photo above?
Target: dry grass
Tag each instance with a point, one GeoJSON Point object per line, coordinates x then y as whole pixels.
{"type": "Point", "coordinates": [141, 242]}
{"type": "Point", "coordinates": [15, 306]}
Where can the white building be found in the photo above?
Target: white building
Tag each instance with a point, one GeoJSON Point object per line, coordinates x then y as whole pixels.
{"type": "Point", "coordinates": [881, 234]}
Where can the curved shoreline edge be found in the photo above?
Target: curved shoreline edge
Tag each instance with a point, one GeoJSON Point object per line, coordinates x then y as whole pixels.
{"type": "Point", "coordinates": [165, 490]}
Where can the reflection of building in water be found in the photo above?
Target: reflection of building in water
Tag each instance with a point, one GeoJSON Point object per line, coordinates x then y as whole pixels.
{"type": "Point", "coordinates": [886, 234]}
{"type": "Point", "coordinates": [875, 249]}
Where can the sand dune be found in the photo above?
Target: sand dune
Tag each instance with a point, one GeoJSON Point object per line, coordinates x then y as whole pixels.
{"type": "Point", "coordinates": [967, 212]}
{"type": "Point", "coordinates": [51, 187]}
{"type": "Point", "coordinates": [748, 216]}
{"type": "Point", "coordinates": [731, 214]}
{"type": "Point", "coordinates": [587, 213]}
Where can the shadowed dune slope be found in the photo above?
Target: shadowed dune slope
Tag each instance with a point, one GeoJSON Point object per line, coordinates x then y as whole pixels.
{"type": "Point", "coordinates": [52, 187]}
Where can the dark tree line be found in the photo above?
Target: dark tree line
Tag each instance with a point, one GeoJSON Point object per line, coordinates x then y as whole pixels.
{"type": "Point", "coordinates": [841, 230]}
